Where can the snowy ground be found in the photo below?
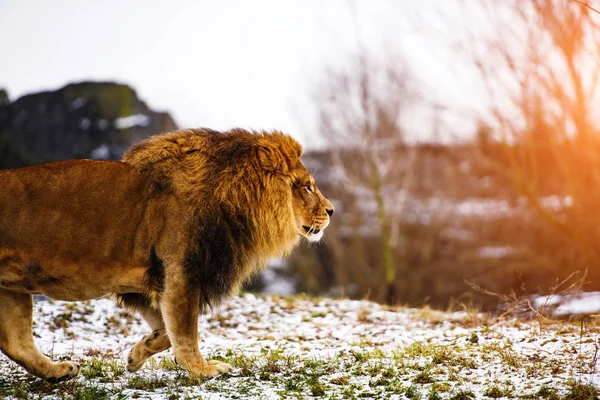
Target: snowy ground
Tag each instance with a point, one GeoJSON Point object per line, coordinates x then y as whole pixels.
{"type": "Point", "coordinates": [581, 303]}
{"type": "Point", "coordinates": [286, 347]}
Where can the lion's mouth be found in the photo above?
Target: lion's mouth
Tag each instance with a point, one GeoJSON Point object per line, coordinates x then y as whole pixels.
{"type": "Point", "coordinates": [311, 230]}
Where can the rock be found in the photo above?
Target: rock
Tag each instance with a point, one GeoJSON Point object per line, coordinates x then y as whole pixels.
{"type": "Point", "coordinates": [75, 121]}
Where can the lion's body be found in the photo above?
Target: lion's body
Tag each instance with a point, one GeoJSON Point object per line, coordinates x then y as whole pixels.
{"type": "Point", "coordinates": [181, 223]}
{"type": "Point", "coordinates": [86, 219]}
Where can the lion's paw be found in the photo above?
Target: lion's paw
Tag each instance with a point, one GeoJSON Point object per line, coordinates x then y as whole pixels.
{"type": "Point", "coordinates": [136, 358]}
{"type": "Point", "coordinates": [213, 368]}
{"type": "Point", "coordinates": [150, 344]}
{"type": "Point", "coordinates": [63, 371]}
{"type": "Point", "coordinates": [220, 366]}
{"type": "Point", "coordinates": [208, 369]}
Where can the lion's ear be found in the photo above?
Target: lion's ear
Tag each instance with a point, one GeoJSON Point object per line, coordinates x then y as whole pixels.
{"type": "Point", "coordinates": [271, 160]}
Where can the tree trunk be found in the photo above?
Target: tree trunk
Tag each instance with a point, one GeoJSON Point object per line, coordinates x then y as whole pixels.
{"type": "Point", "coordinates": [386, 245]}
{"type": "Point", "coordinates": [390, 294]}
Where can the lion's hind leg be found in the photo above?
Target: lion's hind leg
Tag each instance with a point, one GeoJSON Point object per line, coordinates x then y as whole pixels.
{"type": "Point", "coordinates": [16, 339]}
{"type": "Point", "coordinates": [152, 343]}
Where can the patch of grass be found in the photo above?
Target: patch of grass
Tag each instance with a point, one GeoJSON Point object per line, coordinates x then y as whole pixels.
{"type": "Point", "coordinates": [453, 375]}
{"type": "Point", "coordinates": [376, 368]}
{"type": "Point", "coordinates": [313, 365]}
{"type": "Point", "coordinates": [142, 383]}
{"type": "Point", "coordinates": [496, 392]}
{"type": "Point", "coordinates": [460, 361]}
{"type": "Point", "coordinates": [34, 388]}
{"type": "Point", "coordinates": [294, 383]}
{"type": "Point", "coordinates": [116, 368]}
{"type": "Point", "coordinates": [379, 381]}
{"type": "Point", "coordinates": [93, 392]}
{"type": "Point", "coordinates": [363, 315]}
{"type": "Point", "coordinates": [413, 393]}
{"type": "Point", "coordinates": [433, 394]}
{"type": "Point", "coordinates": [463, 395]}
{"type": "Point", "coordinates": [93, 368]}
{"type": "Point", "coordinates": [360, 356]}
{"type": "Point", "coordinates": [473, 338]}
{"type": "Point", "coordinates": [547, 393]}
{"type": "Point", "coordinates": [417, 349]}
{"type": "Point", "coordinates": [555, 367]}
{"type": "Point", "coordinates": [440, 355]}
{"type": "Point", "coordinates": [318, 314]}
{"type": "Point", "coordinates": [247, 365]}
{"type": "Point", "coordinates": [580, 391]}
{"type": "Point", "coordinates": [168, 364]}
{"type": "Point", "coordinates": [441, 387]}
{"type": "Point", "coordinates": [315, 386]}
{"type": "Point", "coordinates": [350, 392]}
{"type": "Point", "coordinates": [21, 389]}
{"type": "Point", "coordinates": [274, 362]}
{"type": "Point", "coordinates": [213, 386]}
{"type": "Point", "coordinates": [423, 377]}
{"type": "Point", "coordinates": [507, 355]}
{"type": "Point", "coordinates": [103, 371]}
{"type": "Point", "coordinates": [173, 395]}
{"type": "Point", "coordinates": [241, 387]}
{"type": "Point", "coordinates": [340, 380]}
{"type": "Point", "coordinates": [394, 386]}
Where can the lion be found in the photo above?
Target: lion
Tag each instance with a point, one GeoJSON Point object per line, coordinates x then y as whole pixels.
{"type": "Point", "coordinates": [176, 226]}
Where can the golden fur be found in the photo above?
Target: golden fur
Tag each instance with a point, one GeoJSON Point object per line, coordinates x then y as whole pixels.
{"type": "Point", "coordinates": [182, 222]}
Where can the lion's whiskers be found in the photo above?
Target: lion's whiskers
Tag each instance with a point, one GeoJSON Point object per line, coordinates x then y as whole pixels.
{"type": "Point", "coordinates": [310, 230]}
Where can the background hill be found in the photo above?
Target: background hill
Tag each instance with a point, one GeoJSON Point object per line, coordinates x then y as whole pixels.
{"type": "Point", "coordinates": [80, 120]}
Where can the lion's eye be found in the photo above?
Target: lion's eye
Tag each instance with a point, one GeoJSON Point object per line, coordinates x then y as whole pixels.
{"type": "Point", "coordinates": [310, 188]}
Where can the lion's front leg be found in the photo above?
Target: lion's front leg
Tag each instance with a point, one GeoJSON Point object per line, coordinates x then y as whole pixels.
{"type": "Point", "coordinates": [180, 308]}
{"type": "Point", "coordinates": [16, 339]}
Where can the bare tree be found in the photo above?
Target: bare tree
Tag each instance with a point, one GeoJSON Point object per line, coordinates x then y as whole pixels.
{"type": "Point", "coordinates": [361, 112]}
{"type": "Point", "coordinates": [538, 61]}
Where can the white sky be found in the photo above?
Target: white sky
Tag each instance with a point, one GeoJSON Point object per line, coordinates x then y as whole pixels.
{"type": "Point", "coordinates": [221, 64]}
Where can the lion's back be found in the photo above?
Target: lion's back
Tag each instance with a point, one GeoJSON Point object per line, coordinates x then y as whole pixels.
{"type": "Point", "coordinates": [70, 207]}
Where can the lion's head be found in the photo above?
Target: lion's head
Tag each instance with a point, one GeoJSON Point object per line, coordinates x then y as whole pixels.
{"type": "Point", "coordinates": [249, 196]}
{"type": "Point", "coordinates": [311, 209]}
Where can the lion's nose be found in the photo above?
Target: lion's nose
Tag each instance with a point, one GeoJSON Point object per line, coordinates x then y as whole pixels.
{"type": "Point", "coordinates": [329, 212]}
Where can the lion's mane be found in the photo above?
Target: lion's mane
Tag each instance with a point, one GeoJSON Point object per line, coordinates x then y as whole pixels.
{"type": "Point", "coordinates": [236, 186]}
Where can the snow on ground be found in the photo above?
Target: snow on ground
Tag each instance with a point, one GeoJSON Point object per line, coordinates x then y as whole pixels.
{"type": "Point", "coordinates": [288, 347]}
{"type": "Point", "coordinates": [581, 303]}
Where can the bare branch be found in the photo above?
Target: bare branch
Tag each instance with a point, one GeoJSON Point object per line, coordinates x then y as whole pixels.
{"type": "Point", "coordinates": [586, 5]}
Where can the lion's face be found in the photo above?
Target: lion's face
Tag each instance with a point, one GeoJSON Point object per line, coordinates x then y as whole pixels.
{"type": "Point", "coordinates": [311, 209]}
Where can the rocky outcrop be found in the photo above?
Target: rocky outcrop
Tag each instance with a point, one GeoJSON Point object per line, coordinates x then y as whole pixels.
{"type": "Point", "coordinates": [80, 120]}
